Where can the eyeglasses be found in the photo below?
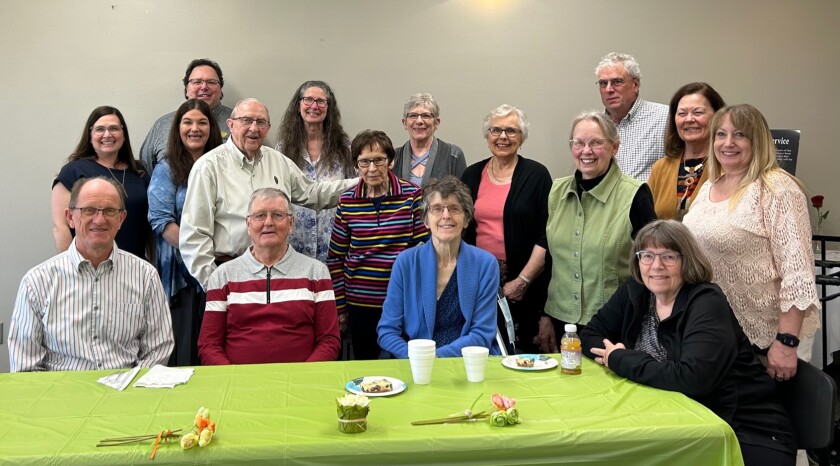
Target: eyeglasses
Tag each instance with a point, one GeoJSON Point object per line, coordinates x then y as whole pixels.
{"type": "Point", "coordinates": [379, 161]}
{"type": "Point", "coordinates": [509, 132]}
{"type": "Point", "coordinates": [100, 130]}
{"type": "Point", "coordinates": [310, 100]}
{"type": "Point", "coordinates": [275, 216]}
{"type": "Point", "coordinates": [667, 258]}
{"type": "Point", "coordinates": [92, 211]}
{"type": "Point", "coordinates": [248, 121]}
{"type": "Point", "coordinates": [437, 209]}
{"type": "Point", "coordinates": [415, 116]}
{"type": "Point", "coordinates": [580, 144]}
{"type": "Point", "coordinates": [614, 82]}
{"type": "Point", "coordinates": [201, 82]}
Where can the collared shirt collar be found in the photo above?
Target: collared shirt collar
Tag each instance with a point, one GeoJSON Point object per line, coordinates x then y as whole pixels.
{"type": "Point", "coordinates": [77, 258]}
{"type": "Point", "coordinates": [283, 265]}
{"type": "Point", "coordinates": [240, 157]}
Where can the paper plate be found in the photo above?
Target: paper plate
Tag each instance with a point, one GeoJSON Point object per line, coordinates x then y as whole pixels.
{"type": "Point", "coordinates": [541, 362]}
{"type": "Point", "coordinates": [359, 384]}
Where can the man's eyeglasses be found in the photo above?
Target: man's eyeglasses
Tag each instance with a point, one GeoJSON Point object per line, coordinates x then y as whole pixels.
{"type": "Point", "coordinates": [310, 100]}
{"type": "Point", "coordinates": [614, 82]}
{"type": "Point", "coordinates": [580, 144]}
{"type": "Point", "coordinates": [379, 161]}
{"type": "Point", "coordinates": [275, 216]}
{"type": "Point", "coordinates": [92, 211]}
{"type": "Point", "coordinates": [201, 82]}
{"type": "Point", "coordinates": [437, 209]}
{"type": "Point", "coordinates": [247, 121]}
{"type": "Point", "coordinates": [100, 130]}
{"type": "Point", "coordinates": [415, 116]}
{"type": "Point", "coordinates": [667, 258]}
{"type": "Point", "coordinates": [509, 132]}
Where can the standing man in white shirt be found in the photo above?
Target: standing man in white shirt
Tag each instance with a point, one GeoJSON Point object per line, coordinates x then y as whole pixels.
{"type": "Point", "coordinates": [93, 306]}
{"type": "Point", "coordinates": [204, 81]}
{"type": "Point", "coordinates": [641, 124]}
{"type": "Point", "coordinates": [221, 182]}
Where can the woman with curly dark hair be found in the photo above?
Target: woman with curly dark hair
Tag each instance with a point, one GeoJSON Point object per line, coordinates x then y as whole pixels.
{"type": "Point", "coordinates": [312, 137]}
{"type": "Point", "coordinates": [104, 149]}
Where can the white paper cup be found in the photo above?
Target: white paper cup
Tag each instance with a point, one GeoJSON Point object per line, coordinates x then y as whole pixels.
{"type": "Point", "coordinates": [421, 344]}
{"type": "Point", "coordinates": [475, 362]}
{"type": "Point", "coordinates": [421, 370]}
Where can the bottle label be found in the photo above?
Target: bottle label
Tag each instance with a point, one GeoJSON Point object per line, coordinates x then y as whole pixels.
{"type": "Point", "coordinates": [570, 360]}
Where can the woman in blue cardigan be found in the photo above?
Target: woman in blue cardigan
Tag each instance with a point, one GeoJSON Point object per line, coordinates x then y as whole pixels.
{"type": "Point", "coordinates": [444, 290]}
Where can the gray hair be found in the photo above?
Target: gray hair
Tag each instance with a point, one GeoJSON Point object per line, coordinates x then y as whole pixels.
{"type": "Point", "coordinates": [505, 110]}
{"type": "Point", "coordinates": [631, 66]}
{"type": "Point", "coordinates": [673, 235]}
{"type": "Point", "coordinates": [606, 124]}
{"type": "Point", "coordinates": [271, 193]}
{"type": "Point", "coordinates": [235, 113]}
{"type": "Point", "coordinates": [446, 187]}
{"type": "Point", "coordinates": [423, 99]}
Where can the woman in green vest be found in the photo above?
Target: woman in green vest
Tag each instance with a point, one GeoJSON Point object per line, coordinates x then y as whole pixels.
{"type": "Point", "coordinates": [593, 216]}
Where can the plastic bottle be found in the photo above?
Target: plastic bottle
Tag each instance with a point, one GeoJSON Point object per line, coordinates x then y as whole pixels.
{"type": "Point", "coordinates": [570, 351]}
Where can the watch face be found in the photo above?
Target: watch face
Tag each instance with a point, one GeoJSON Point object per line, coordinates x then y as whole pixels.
{"type": "Point", "coordinates": [788, 339]}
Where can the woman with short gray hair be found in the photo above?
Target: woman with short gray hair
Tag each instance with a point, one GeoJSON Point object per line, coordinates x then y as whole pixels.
{"type": "Point", "coordinates": [424, 157]}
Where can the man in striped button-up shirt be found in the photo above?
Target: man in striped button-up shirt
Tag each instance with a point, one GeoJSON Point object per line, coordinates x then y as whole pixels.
{"type": "Point", "coordinates": [92, 306]}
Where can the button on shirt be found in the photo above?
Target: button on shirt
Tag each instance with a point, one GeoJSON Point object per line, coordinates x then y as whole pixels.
{"type": "Point", "coordinates": [71, 316]}
{"type": "Point", "coordinates": [642, 133]}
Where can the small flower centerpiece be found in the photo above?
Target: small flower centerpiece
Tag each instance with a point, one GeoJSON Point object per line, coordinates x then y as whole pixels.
{"type": "Point", "coordinates": [352, 413]}
{"type": "Point", "coordinates": [817, 202]}
{"type": "Point", "coordinates": [202, 432]}
{"type": "Point", "coordinates": [505, 413]}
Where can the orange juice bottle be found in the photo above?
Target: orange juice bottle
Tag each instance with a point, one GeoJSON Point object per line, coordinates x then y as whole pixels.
{"type": "Point", "coordinates": [570, 351]}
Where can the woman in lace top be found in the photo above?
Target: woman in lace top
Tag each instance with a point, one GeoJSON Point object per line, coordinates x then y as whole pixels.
{"type": "Point", "coordinates": [671, 329]}
{"type": "Point", "coordinates": [311, 136]}
{"type": "Point", "coordinates": [751, 219]}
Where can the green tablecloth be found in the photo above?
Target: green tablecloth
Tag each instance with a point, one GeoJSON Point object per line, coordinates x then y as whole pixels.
{"type": "Point", "coordinates": [285, 414]}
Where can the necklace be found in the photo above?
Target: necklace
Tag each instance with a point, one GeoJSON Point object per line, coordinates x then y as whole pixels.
{"type": "Point", "coordinates": [693, 173]}
{"type": "Point", "coordinates": [122, 183]}
{"type": "Point", "coordinates": [493, 174]}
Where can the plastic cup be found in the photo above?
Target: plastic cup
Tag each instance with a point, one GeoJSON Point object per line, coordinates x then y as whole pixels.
{"type": "Point", "coordinates": [475, 362]}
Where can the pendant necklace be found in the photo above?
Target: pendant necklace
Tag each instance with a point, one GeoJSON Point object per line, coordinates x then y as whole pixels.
{"type": "Point", "coordinates": [122, 183]}
{"type": "Point", "coordinates": [493, 174]}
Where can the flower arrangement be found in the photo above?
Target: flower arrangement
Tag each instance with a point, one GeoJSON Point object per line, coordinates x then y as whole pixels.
{"type": "Point", "coordinates": [817, 202]}
{"type": "Point", "coordinates": [352, 413]}
{"type": "Point", "coordinates": [201, 434]}
{"type": "Point", "coordinates": [504, 413]}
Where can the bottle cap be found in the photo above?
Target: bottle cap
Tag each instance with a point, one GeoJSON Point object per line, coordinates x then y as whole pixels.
{"type": "Point", "coordinates": [570, 328]}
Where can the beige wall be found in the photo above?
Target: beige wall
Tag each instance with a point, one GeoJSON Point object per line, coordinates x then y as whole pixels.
{"type": "Point", "coordinates": [63, 58]}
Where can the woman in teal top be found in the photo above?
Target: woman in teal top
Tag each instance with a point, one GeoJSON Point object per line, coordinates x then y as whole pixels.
{"type": "Point", "coordinates": [593, 216]}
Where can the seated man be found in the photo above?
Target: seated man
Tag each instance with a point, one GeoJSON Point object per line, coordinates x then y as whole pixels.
{"type": "Point", "coordinates": [271, 304]}
{"type": "Point", "coordinates": [93, 306]}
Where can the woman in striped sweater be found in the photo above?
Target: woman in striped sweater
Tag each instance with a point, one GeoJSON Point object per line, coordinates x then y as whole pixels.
{"type": "Point", "coordinates": [374, 221]}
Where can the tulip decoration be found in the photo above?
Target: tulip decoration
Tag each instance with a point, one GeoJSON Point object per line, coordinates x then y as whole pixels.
{"type": "Point", "coordinates": [352, 413]}
{"type": "Point", "coordinates": [201, 434]}
{"type": "Point", "coordinates": [817, 202]}
{"type": "Point", "coordinates": [504, 413]}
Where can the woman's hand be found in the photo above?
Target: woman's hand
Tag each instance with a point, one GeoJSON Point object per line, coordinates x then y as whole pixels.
{"type": "Point", "coordinates": [603, 354]}
{"type": "Point", "coordinates": [342, 322]}
{"type": "Point", "coordinates": [546, 339]}
{"type": "Point", "coordinates": [515, 289]}
{"type": "Point", "coordinates": [781, 361]}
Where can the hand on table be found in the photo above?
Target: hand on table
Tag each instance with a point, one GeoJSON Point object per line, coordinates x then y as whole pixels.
{"type": "Point", "coordinates": [781, 361]}
{"type": "Point", "coordinates": [546, 339]}
{"type": "Point", "coordinates": [603, 354]}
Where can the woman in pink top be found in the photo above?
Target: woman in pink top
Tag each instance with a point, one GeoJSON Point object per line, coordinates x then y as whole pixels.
{"type": "Point", "coordinates": [511, 209]}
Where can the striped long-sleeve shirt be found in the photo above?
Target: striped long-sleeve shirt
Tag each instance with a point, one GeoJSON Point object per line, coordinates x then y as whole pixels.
{"type": "Point", "coordinates": [257, 314]}
{"type": "Point", "coordinates": [71, 316]}
{"type": "Point", "coordinates": [367, 236]}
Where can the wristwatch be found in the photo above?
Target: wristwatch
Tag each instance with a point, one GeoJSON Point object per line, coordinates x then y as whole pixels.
{"type": "Point", "coordinates": [788, 339]}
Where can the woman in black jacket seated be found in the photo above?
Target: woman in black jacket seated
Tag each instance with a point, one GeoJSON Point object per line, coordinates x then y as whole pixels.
{"type": "Point", "coordinates": [670, 328]}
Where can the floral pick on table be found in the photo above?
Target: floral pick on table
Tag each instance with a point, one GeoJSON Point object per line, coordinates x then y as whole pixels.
{"type": "Point", "coordinates": [352, 413]}
{"type": "Point", "coordinates": [201, 433]}
{"type": "Point", "coordinates": [504, 413]}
